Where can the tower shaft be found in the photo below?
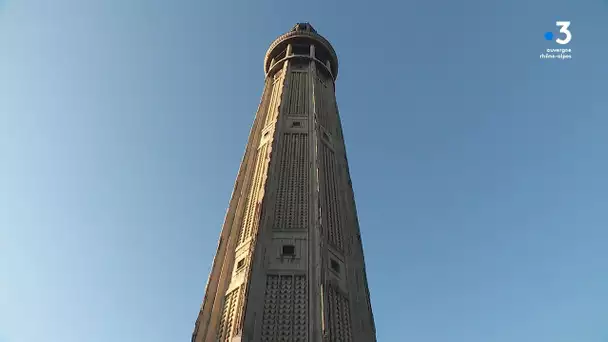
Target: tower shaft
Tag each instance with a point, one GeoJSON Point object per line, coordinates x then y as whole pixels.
{"type": "Point", "coordinates": [289, 264]}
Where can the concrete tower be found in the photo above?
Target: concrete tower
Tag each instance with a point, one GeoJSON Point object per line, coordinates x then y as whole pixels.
{"type": "Point", "coordinates": [289, 264]}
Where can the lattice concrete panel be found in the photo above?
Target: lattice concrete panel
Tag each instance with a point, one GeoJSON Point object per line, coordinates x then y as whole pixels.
{"type": "Point", "coordinates": [228, 315]}
{"type": "Point", "coordinates": [251, 217]}
{"type": "Point", "coordinates": [275, 98]}
{"type": "Point", "coordinates": [285, 309]}
{"type": "Point", "coordinates": [291, 211]}
{"type": "Point", "coordinates": [330, 200]}
{"type": "Point", "coordinates": [339, 322]}
{"type": "Point", "coordinates": [298, 94]}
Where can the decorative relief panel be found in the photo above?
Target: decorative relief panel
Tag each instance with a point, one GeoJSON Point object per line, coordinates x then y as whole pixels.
{"type": "Point", "coordinates": [300, 301]}
{"type": "Point", "coordinates": [240, 311]}
{"type": "Point", "coordinates": [325, 103]}
{"type": "Point", "coordinates": [338, 320]}
{"type": "Point", "coordinates": [275, 99]}
{"type": "Point", "coordinates": [298, 94]}
{"type": "Point", "coordinates": [291, 211]}
{"type": "Point", "coordinates": [228, 314]}
{"type": "Point", "coordinates": [285, 308]}
{"type": "Point", "coordinates": [252, 209]}
{"type": "Point", "coordinates": [329, 199]}
{"type": "Point", "coordinates": [266, 96]}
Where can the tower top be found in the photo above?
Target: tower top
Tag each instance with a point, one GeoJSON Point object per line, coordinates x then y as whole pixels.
{"type": "Point", "coordinates": [304, 27]}
{"type": "Point", "coordinates": [302, 35]}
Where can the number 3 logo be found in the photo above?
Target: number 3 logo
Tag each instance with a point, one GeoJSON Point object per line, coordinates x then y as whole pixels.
{"type": "Point", "coordinates": [564, 29]}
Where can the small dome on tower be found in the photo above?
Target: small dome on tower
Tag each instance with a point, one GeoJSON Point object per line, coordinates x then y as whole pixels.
{"type": "Point", "coordinates": [303, 27]}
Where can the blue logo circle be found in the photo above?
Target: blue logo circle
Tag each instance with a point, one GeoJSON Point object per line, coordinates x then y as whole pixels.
{"type": "Point", "coordinates": [549, 35]}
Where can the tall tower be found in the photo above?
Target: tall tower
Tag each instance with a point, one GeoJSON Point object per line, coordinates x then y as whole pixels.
{"type": "Point", "coordinates": [289, 264]}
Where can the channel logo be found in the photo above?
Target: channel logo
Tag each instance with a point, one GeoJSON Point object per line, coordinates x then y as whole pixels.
{"type": "Point", "coordinates": [562, 38]}
{"type": "Point", "coordinates": [563, 25]}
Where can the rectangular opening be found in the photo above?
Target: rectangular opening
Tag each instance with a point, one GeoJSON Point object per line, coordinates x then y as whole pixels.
{"type": "Point", "coordinates": [280, 55]}
{"type": "Point", "coordinates": [335, 266]}
{"type": "Point", "coordinates": [240, 264]}
{"type": "Point", "coordinates": [321, 53]}
{"type": "Point", "coordinates": [289, 250]}
{"type": "Point", "coordinates": [296, 124]}
{"type": "Point", "coordinates": [301, 50]}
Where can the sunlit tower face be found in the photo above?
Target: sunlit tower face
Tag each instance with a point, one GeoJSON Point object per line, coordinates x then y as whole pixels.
{"type": "Point", "coordinates": [289, 264]}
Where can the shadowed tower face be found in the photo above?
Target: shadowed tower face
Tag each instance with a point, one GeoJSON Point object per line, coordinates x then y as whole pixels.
{"type": "Point", "coordinates": [289, 264]}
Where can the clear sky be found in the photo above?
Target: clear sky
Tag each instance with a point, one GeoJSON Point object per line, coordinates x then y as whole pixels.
{"type": "Point", "coordinates": [480, 171]}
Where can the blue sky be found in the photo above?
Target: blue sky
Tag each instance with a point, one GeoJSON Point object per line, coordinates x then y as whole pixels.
{"type": "Point", "coordinates": [479, 170]}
